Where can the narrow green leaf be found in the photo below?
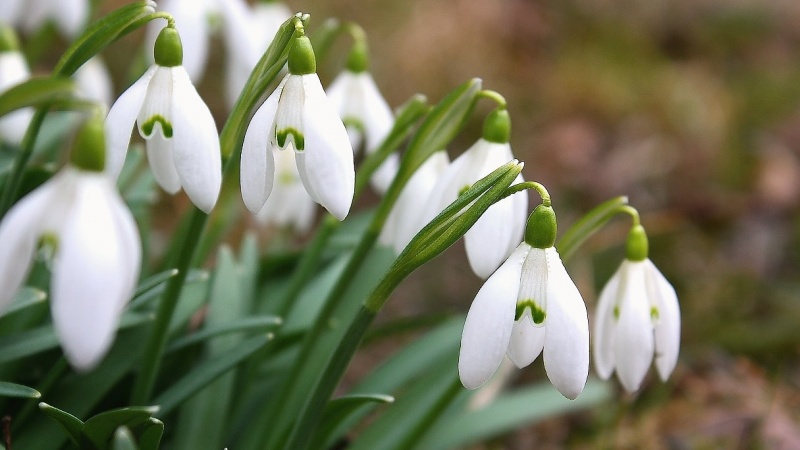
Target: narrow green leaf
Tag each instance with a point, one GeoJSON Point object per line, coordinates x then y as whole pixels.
{"type": "Point", "coordinates": [100, 429]}
{"type": "Point", "coordinates": [25, 298]}
{"type": "Point", "coordinates": [207, 372]}
{"type": "Point", "coordinates": [17, 390]}
{"type": "Point", "coordinates": [149, 434]}
{"type": "Point", "coordinates": [123, 439]}
{"type": "Point", "coordinates": [195, 277]}
{"type": "Point", "coordinates": [154, 281]}
{"type": "Point", "coordinates": [588, 225]}
{"type": "Point", "coordinates": [259, 323]}
{"type": "Point", "coordinates": [101, 33]}
{"type": "Point", "coordinates": [339, 410]}
{"type": "Point", "coordinates": [71, 424]}
{"type": "Point", "coordinates": [38, 91]}
{"type": "Point", "coordinates": [510, 411]}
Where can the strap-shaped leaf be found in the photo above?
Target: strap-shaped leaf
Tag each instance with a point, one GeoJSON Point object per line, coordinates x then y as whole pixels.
{"type": "Point", "coordinates": [17, 390]}
{"type": "Point", "coordinates": [149, 434]}
{"type": "Point", "coordinates": [100, 429]}
{"type": "Point", "coordinates": [71, 424]}
{"type": "Point", "coordinates": [339, 410]}
{"type": "Point", "coordinates": [36, 91]}
{"type": "Point", "coordinates": [123, 440]}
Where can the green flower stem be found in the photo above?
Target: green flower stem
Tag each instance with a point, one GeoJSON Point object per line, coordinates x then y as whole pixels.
{"type": "Point", "coordinates": [231, 139]}
{"type": "Point", "coordinates": [154, 347]}
{"type": "Point", "coordinates": [525, 185]}
{"type": "Point", "coordinates": [493, 96]}
{"type": "Point", "coordinates": [588, 225]}
{"type": "Point", "coordinates": [446, 229]}
{"type": "Point", "coordinates": [631, 211]}
{"type": "Point", "coordinates": [14, 179]}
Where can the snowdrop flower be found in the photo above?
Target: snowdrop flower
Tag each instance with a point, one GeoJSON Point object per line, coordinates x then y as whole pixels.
{"type": "Point", "coordinates": [97, 251]}
{"type": "Point", "coordinates": [69, 16]}
{"type": "Point", "coordinates": [638, 317]}
{"type": "Point", "coordinates": [497, 232]}
{"type": "Point", "coordinates": [193, 21]}
{"type": "Point", "coordinates": [94, 82]}
{"type": "Point", "coordinates": [527, 306]}
{"type": "Point", "coordinates": [364, 112]}
{"type": "Point", "coordinates": [13, 71]}
{"type": "Point", "coordinates": [248, 32]}
{"type": "Point", "coordinates": [181, 138]}
{"type": "Point", "coordinates": [405, 220]}
{"type": "Point", "coordinates": [289, 205]}
{"type": "Point", "coordinates": [299, 117]}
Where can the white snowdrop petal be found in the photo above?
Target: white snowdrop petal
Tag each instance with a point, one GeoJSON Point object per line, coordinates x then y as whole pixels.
{"type": "Point", "coordinates": [527, 342]}
{"type": "Point", "coordinates": [488, 240]}
{"type": "Point", "coordinates": [377, 116]}
{"type": "Point", "coordinates": [14, 124]}
{"type": "Point", "coordinates": [159, 156]}
{"type": "Point", "coordinates": [19, 233]}
{"type": "Point", "coordinates": [668, 325]}
{"type": "Point", "coordinates": [384, 175]}
{"type": "Point", "coordinates": [490, 319]}
{"type": "Point", "coordinates": [604, 324]}
{"type": "Point", "coordinates": [326, 163]}
{"type": "Point", "coordinates": [70, 16]}
{"type": "Point", "coordinates": [196, 148]}
{"type": "Point", "coordinates": [130, 243]}
{"type": "Point", "coordinates": [258, 164]}
{"type": "Point", "coordinates": [446, 188]}
{"type": "Point", "coordinates": [633, 338]}
{"type": "Point", "coordinates": [94, 82]}
{"type": "Point", "coordinates": [120, 120]}
{"type": "Point", "coordinates": [566, 347]}
{"type": "Point", "coordinates": [87, 288]}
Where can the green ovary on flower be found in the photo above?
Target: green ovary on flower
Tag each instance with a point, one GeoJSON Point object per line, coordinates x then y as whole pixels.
{"type": "Point", "coordinates": [299, 140]}
{"type": "Point", "coordinates": [149, 125]}
{"type": "Point", "coordinates": [537, 313]}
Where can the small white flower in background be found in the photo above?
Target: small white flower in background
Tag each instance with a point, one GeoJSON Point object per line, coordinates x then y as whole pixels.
{"type": "Point", "coordinates": [94, 82]}
{"type": "Point", "coordinates": [405, 220]}
{"type": "Point", "coordinates": [299, 117]}
{"type": "Point", "coordinates": [13, 71]}
{"type": "Point", "coordinates": [69, 16]}
{"type": "Point", "coordinates": [529, 305]}
{"type": "Point", "coordinates": [193, 19]}
{"type": "Point", "coordinates": [495, 235]}
{"type": "Point", "coordinates": [638, 318]}
{"type": "Point", "coordinates": [96, 247]}
{"type": "Point", "coordinates": [248, 32]}
{"type": "Point", "coordinates": [181, 137]}
{"type": "Point", "coordinates": [289, 205]}
{"type": "Point", "coordinates": [364, 112]}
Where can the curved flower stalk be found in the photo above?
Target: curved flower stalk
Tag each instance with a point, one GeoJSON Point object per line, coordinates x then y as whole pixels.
{"type": "Point", "coordinates": [69, 16]}
{"type": "Point", "coordinates": [638, 318]}
{"type": "Point", "coordinates": [289, 205]}
{"type": "Point", "coordinates": [181, 137]}
{"type": "Point", "coordinates": [528, 306]}
{"type": "Point", "coordinates": [97, 251]}
{"type": "Point", "coordinates": [405, 220]}
{"type": "Point", "coordinates": [13, 70]}
{"type": "Point", "coordinates": [299, 117]}
{"type": "Point", "coordinates": [193, 21]}
{"type": "Point", "coordinates": [364, 111]}
{"type": "Point", "coordinates": [492, 239]}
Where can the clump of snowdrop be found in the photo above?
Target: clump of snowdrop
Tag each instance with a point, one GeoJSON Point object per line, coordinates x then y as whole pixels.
{"type": "Point", "coordinates": [180, 134]}
{"type": "Point", "coordinates": [492, 239]}
{"type": "Point", "coordinates": [638, 319]}
{"type": "Point", "coordinates": [365, 113]}
{"type": "Point", "coordinates": [527, 307]}
{"type": "Point", "coordinates": [299, 117]}
{"type": "Point", "coordinates": [95, 245]}
{"type": "Point", "coordinates": [13, 71]}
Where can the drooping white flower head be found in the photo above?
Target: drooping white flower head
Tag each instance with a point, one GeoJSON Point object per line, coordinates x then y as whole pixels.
{"type": "Point", "coordinates": [638, 318]}
{"type": "Point", "coordinates": [528, 306]}
{"type": "Point", "coordinates": [299, 117]}
{"type": "Point", "coordinates": [364, 111]}
{"type": "Point", "coordinates": [499, 230]}
{"type": "Point", "coordinates": [193, 20]}
{"type": "Point", "coordinates": [289, 205]}
{"type": "Point", "coordinates": [181, 137]}
{"type": "Point", "coordinates": [406, 218]}
{"type": "Point", "coordinates": [97, 252]}
{"type": "Point", "coordinates": [248, 32]}
{"type": "Point", "coordinates": [13, 71]}
{"type": "Point", "coordinates": [94, 82]}
{"type": "Point", "coordinates": [69, 16]}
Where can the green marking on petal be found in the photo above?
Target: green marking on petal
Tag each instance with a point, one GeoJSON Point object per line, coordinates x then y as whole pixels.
{"type": "Point", "coordinates": [353, 122]}
{"type": "Point", "coordinates": [616, 312]}
{"type": "Point", "coordinates": [149, 125]}
{"type": "Point", "coordinates": [654, 313]}
{"type": "Point", "coordinates": [297, 138]}
{"type": "Point", "coordinates": [463, 189]}
{"type": "Point", "coordinates": [285, 178]}
{"type": "Point", "coordinates": [537, 313]}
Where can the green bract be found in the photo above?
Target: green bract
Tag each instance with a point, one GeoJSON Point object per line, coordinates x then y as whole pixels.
{"type": "Point", "coordinates": [636, 246]}
{"type": "Point", "coordinates": [541, 229]}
